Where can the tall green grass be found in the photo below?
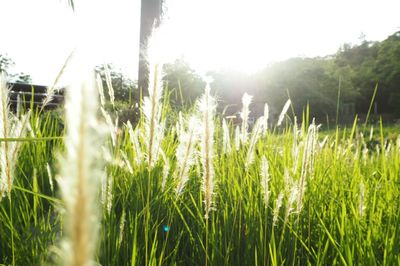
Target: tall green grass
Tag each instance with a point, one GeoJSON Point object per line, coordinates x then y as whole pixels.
{"type": "Point", "coordinates": [329, 202]}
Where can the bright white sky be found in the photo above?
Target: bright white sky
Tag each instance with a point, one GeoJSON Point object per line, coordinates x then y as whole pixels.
{"type": "Point", "coordinates": [243, 34]}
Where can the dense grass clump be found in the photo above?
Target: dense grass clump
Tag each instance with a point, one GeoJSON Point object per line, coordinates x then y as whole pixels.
{"type": "Point", "coordinates": [194, 189]}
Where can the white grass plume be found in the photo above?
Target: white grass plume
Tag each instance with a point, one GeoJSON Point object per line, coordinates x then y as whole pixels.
{"type": "Point", "coordinates": [19, 105]}
{"type": "Point", "coordinates": [6, 176]}
{"type": "Point", "coordinates": [296, 146]}
{"type": "Point", "coordinates": [107, 193]}
{"type": "Point", "coordinates": [9, 150]}
{"type": "Point", "coordinates": [265, 180]}
{"type": "Point", "coordinates": [52, 90]}
{"type": "Point", "coordinates": [10, 127]}
{"type": "Point", "coordinates": [154, 128]}
{"type": "Point", "coordinates": [113, 128]}
{"type": "Point", "coordinates": [50, 177]}
{"type": "Point", "coordinates": [165, 170]}
{"type": "Point", "coordinates": [255, 135]}
{"type": "Point", "coordinates": [283, 113]}
{"type": "Point", "coordinates": [206, 107]}
{"type": "Point", "coordinates": [180, 124]}
{"type": "Point", "coordinates": [244, 114]}
{"type": "Point", "coordinates": [307, 166]}
{"type": "Point", "coordinates": [266, 117]}
{"type": "Point", "coordinates": [292, 199]}
{"type": "Point", "coordinates": [226, 139]}
{"type": "Point", "coordinates": [99, 83]}
{"type": "Point", "coordinates": [110, 88]}
{"type": "Point", "coordinates": [365, 154]}
{"type": "Point", "coordinates": [107, 157]}
{"type": "Point", "coordinates": [126, 163]}
{"type": "Point", "coordinates": [121, 227]}
{"type": "Point", "coordinates": [288, 180]}
{"type": "Point", "coordinates": [237, 138]}
{"type": "Point", "coordinates": [361, 201]}
{"type": "Point", "coordinates": [278, 205]}
{"type": "Point", "coordinates": [134, 139]}
{"type": "Point", "coordinates": [81, 175]}
{"type": "Point", "coordinates": [185, 153]}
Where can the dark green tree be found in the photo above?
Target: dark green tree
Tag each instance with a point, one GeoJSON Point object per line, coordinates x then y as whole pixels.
{"type": "Point", "coordinates": [126, 94]}
{"type": "Point", "coordinates": [183, 83]}
{"type": "Point", "coordinates": [372, 63]}
{"type": "Point", "coordinates": [307, 81]}
{"type": "Point", "coordinates": [387, 70]}
{"type": "Point", "coordinates": [125, 89]}
{"type": "Point", "coordinates": [5, 63]}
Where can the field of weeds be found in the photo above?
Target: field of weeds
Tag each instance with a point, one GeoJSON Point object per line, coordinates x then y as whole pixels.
{"type": "Point", "coordinates": [191, 188]}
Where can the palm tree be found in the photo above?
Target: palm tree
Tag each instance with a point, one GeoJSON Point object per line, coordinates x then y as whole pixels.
{"type": "Point", "coordinates": [150, 17]}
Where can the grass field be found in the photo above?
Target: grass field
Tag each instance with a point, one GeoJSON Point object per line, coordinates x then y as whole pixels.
{"type": "Point", "coordinates": [191, 189]}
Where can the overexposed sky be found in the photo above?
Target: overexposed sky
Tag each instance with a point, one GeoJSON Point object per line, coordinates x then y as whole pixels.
{"type": "Point", "coordinates": [243, 34]}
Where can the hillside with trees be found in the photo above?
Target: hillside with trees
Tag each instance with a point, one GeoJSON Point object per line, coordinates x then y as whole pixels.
{"type": "Point", "coordinates": [340, 85]}
{"type": "Point", "coordinates": [349, 76]}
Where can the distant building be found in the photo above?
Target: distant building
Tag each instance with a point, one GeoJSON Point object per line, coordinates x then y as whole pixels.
{"type": "Point", "coordinates": [30, 94]}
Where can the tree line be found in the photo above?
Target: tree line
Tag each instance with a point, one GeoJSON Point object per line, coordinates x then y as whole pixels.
{"type": "Point", "coordinates": [342, 83]}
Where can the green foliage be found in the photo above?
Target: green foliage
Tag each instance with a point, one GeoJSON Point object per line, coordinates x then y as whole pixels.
{"type": "Point", "coordinates": [332, 228]}
{"type": "Point", "coordinates": [315, 81]}
{"type": "Point", "coordinates": [183, 83]}
{"type": "Point", "coordinates": [5, 64]}
{"type": "Point", "coordinates": [31, 211]}
{"type": "Point", "coordinates": [124, 111]}
{"type": "Point", "coordinates": [125, 89]}
{"type": "Point", "coordinates": [351, 204]}
{"type": "Point", "coordinates": [126, 95]}
{"type": "Point", "coordinates": [371, 63]}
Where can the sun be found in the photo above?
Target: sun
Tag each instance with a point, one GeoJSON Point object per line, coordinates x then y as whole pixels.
{"type": "Point", "coordinates": [221, 34]}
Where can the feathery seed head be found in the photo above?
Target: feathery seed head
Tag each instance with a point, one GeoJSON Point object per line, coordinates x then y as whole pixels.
{"type": "Point", "coordinates": [99, 83]}
{"type": "Point", "coordinates": [11, 126]}
{"type": "Point", "coordinates": [244, 114]}
{"type": "Point", "coordinates": [81, 174]}
{"type": "Point", "coordinates": [292, 198]}
{"type": "Point", "coordinates": [134, 139]}
{"type": "Point", "coordinates": [278, 205]}
{"type": "Point", "coordinates": [110, 88]}
{"type": "Point", "coordinates": [265, 180]}
{"type": "Point", "coordinates": [113, 128]}
{"type": "Point", "coordinates": [152, 107]}
{"type": "Point", "coordinates": [237, 138]}
{"type": "Point", "coordinates": [361, 204]}
{"type": "Point", "coordinates": [126, 163]}
{"type": "Point", "coordinates": [226, 139]}
{"type": "Point", "coordinates": [50, 177]}
{"type": "Point", "coordinates": [207, 106]}
{"type": "Point", "coordinates": [185, 157]}
{"type": "Point", "coordinates": [246, 99]}
{"type": "Point", "coordinates": [266, 117]}
{"type": "Point", "coordinates": [257, 130]}
{"type": "Point", "coordinates": [283, 113]}
{"type": "Point", "coordinates": [165, 170]}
